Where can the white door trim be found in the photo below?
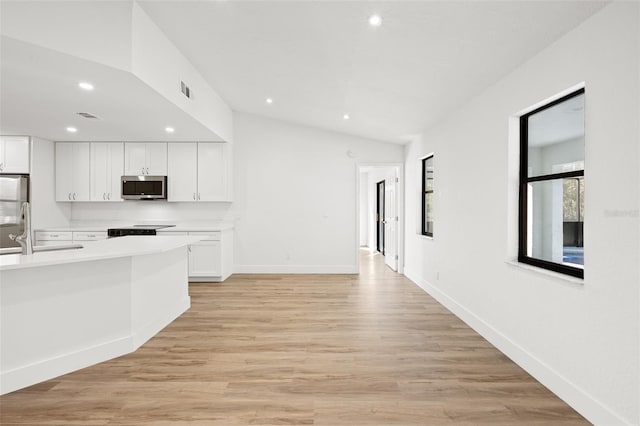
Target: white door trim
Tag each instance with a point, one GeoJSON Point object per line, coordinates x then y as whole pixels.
{"type": "Point", "coordinates": [399, 210]}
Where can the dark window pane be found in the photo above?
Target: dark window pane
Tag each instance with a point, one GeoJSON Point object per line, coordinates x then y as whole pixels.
{"type": "Point", "coordinates": [427, 200]}
{"type": "Point", "coordinates": [556, 138]}
{"type": "Point", "coordinates": [428, 174]}
{"type": "Point", "coordinates": [570, 200]}
{"type": "Point", "coordinates": [550, 236]}
{"type": "Point", "coordinates": [581, 203]}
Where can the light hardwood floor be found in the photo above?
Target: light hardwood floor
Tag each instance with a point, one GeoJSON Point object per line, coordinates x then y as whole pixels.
{"type": "Point", "coordinates": [331, 350]}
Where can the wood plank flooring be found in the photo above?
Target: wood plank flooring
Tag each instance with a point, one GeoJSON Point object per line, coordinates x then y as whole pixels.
{"type": "Point", "coordinates": [368, 349]}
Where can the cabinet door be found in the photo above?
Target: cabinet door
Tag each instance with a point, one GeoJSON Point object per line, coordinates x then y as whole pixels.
{"type": "Point", "coordinates": [204, 259]}
{"type": "Point", "coordinates": [182, 172]}
{"type": "Point", "coordinates": [156, 159]}
{"type": "Point", "coordinates": [213, 166]}
{"type": "Point", "coordinates": [116, 170]}
{"type": "Point", "coordinates": [81, 174]}
{"type": "Point", "coordinates": [135, 158]}
{"type": "Point", "coordinates": [99, 171]}
{"type": "Point", "coordinates": [64, 171]}
{"type": "Point", "coordinates": [107, 164]}
{"type": "Point", "coordinates": [14, 154]}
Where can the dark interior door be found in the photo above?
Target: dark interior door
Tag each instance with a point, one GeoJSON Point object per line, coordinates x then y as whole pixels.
{"type": "Point", "coordinates": [380, 216]}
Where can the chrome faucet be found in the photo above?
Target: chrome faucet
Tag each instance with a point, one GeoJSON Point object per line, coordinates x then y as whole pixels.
{"type": "Point", "coordinates": [24, 239]}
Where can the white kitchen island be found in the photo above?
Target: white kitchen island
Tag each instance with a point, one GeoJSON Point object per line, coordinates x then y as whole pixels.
{"type": "Point", "coordinates": [65, 310]}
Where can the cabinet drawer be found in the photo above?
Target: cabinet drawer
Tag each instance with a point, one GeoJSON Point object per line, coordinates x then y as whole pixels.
{"type": "Point", "coordinates": [89, 236]}
{"type": "Point", "coordinates": [54, 236]}
{"type": "Point", "coordinates": [208, 235]}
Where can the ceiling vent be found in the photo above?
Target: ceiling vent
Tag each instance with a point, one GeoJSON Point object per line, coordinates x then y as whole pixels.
{"type": "Point", "coordinates": [88, 115]}
{"type": "Point", "coordinates": [186, 90]}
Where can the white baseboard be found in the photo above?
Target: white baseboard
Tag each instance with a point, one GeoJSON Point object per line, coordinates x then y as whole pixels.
{"type": "Point", "coordinates": [53, 367]}
{"type": "Point", "coordinates": [580, 400]}
{"type": "Point", "coordinates": [295, 269]}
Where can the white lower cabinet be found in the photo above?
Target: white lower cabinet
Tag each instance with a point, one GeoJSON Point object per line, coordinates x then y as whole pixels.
{"type": "Point", "coordinates": [205, 259]}
{"type": "Point", "coordinates": [89, 235]}
{"type": "Point", "coordinates": [48, 238]}
{"type": "Point", "coordinates": [210, 259]}
{"type": "Point", "coordinates": [53, 238]}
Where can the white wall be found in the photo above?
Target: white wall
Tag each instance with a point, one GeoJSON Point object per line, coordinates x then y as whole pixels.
{"type": "Point", "coordinates": [296, 195]}
{"type": "Point", "coordinates": [579, 339]}
{"type": "Point", "coordinates": [45, 212]}
{"type": "Point", "coordinates": [364, 209]}
{"type": "Point", "coordinates": [157, 62]}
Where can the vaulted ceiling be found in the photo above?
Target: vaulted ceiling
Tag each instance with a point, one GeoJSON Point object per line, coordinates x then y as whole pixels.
{"type": "Point", "coordinates": [317, 60]}
{"type": "Point", "coordinates": [321, 60]}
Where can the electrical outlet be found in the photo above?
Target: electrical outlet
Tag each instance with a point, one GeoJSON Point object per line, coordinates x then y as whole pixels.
{"type": "Point", "coordinates": [438, 276]}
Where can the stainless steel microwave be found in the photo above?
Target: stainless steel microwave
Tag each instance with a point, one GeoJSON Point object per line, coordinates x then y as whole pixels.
{"type": "Point", "coordinates": [144, 187]}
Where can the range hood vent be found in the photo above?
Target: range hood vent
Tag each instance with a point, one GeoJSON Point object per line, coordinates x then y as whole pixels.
{"type": "Point", "coordinates": [88, 115]}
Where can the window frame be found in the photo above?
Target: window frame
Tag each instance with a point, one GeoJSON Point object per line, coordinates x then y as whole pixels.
{"type": "Point", "coordinates": [524, 181]}
{"type": "Point", "coordinates": [423, 194]}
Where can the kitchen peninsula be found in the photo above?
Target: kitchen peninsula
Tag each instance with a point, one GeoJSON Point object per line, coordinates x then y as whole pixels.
{"type": "Point", "coordinates": [66, 310]}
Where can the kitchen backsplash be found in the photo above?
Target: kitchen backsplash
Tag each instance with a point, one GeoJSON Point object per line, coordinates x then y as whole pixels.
{"type": "Point", "coordinates": [146, 211]}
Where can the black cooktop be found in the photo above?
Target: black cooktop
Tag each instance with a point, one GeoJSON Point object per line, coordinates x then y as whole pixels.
{"type": "Point", "coordinates": [135, 230]}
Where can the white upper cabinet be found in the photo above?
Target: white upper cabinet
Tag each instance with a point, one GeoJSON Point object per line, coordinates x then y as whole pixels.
{"type": "Point", "coordinates": [214, 177]}
{"type": "Point", "coordinates": [157, 159]}
{"type": "Point", "coordinates": [142, 158]}
{"type": "Point", "coordinates": [107, 167]}
{"type": "Point", "coordinates": [14, 154]}
{"type": "Point", "coordinates": [183, 174]}
{"type": "Point", "coordinates": [72, 171]}
{"type": "Point", "coordinates": [199, 171]}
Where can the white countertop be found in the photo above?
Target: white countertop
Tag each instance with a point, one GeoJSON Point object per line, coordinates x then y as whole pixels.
{"type": "Point", "coordinates": [103, 226]}
{"type": "Point", "coordinates": [98, 250]}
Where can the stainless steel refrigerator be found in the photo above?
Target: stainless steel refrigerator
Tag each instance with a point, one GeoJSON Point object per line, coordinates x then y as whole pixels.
{"type": "Point", "coordinates": [14, 190]}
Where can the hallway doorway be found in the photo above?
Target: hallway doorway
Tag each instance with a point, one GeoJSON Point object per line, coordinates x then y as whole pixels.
{"type": "Point", "coordinates": [380, 212]}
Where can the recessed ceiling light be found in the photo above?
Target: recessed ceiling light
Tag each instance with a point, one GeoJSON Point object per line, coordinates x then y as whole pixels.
{"type": "Point", "coordinates": [375, 20]}
{"type": "Point", "coordinates": [269, 100]}
{"type": "Point", "coordinates": [346, 116]}
{"type": "Point", "coordinates": [169, 129]}
{"type": "Point", "coordinates": [85, 86]}
{"type": "Point", "coordinates": [71, 129]}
